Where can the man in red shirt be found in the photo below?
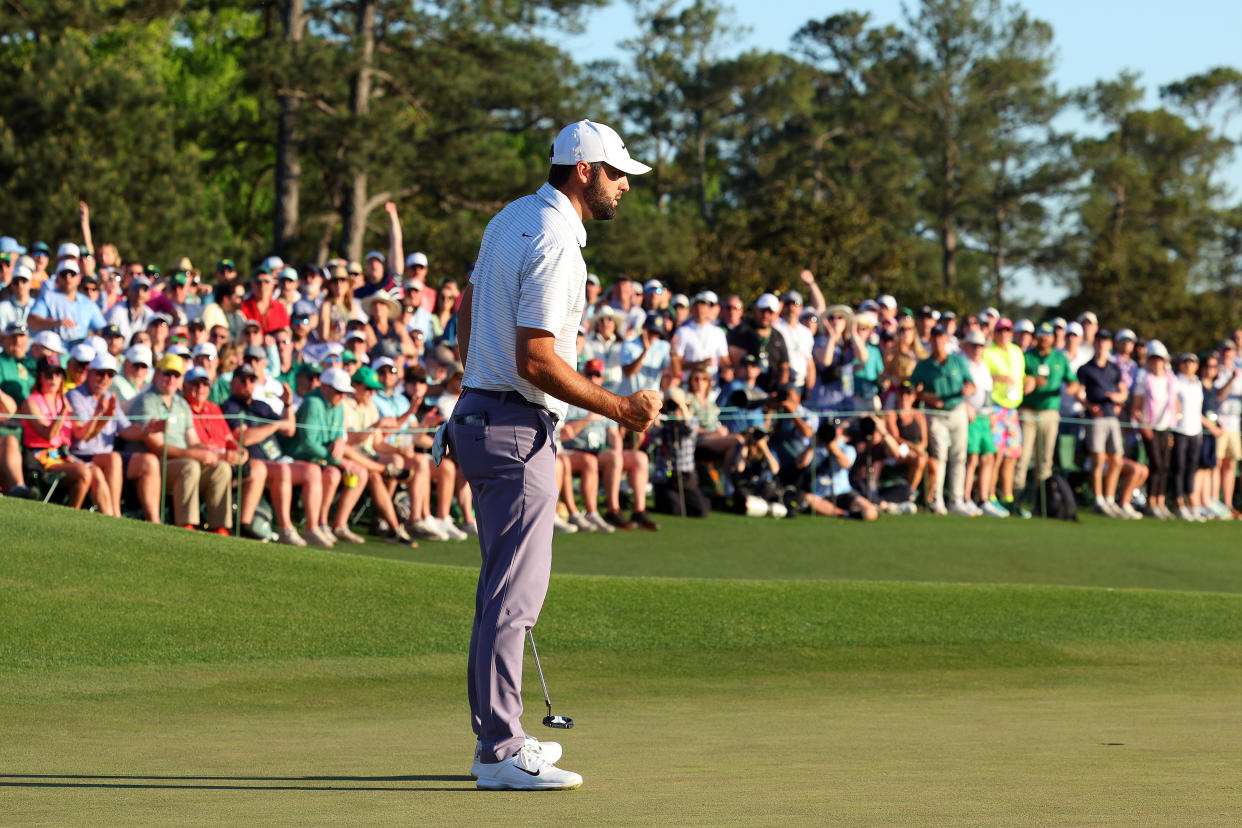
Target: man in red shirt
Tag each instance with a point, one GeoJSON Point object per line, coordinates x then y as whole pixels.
{"type": "Point", "coordinates": [215, 435]}
{"type": "Point", "coordinates": [261, 304]}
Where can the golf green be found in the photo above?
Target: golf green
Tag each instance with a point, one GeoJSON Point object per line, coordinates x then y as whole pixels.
{"type": "Point", "coordinates": [156, 677]}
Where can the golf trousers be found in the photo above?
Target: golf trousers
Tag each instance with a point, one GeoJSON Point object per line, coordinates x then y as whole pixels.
{"type": "Point", "coordinates": [504, 446]}
{"type": "Point", "coordinates": [191, 480]}
{"type": "Point", "coordinates": [948, 432]}
{"type": "Point", "coordinates": [1039, 443]}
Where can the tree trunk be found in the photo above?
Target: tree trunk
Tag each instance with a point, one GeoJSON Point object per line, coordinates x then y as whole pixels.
{"type": "Point", "coordinates": [288, 163]}
{"type": "Point", "coordinates": [354, 212]}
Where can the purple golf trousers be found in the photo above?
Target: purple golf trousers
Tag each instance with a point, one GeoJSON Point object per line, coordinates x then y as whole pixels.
{"type": "Point", "coordinates": [504, 446]}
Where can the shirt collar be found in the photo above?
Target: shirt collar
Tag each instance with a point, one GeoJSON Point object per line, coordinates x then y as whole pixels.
{"type": "Point", "coordinates": [561, 202]}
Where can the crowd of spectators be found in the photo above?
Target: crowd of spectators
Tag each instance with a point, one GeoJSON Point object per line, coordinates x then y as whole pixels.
{"type": "Point", "coordinates": [315, 391]}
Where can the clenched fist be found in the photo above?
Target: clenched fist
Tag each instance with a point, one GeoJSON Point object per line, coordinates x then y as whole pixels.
{"type": "Point", "coordinates": [639, 410]}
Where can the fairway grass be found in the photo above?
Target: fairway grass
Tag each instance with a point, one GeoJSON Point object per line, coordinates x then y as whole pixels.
{"type": "Point", "coordinates": [154, 676]}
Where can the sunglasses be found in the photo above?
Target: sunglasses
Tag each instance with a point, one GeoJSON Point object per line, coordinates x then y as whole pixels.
{"type": "Point", "coordinates": [330, 360]}
{"type": "Point", "coordinates": [108, 374]}
{"type": "Point", "coordinates": [173, 374]}
{"type": "Point", "coordinates": [256, 359]}
{"type": "Point", "coordinates": [284, 341]}
{"type": "Point", "coordinates": [593, 374]}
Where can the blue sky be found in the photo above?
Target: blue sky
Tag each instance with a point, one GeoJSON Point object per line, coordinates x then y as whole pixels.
{"type": "Point", "coordinates": [1162, 41]}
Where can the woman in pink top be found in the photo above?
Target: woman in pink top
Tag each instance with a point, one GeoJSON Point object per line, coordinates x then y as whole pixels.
{"type": "Point", "coordinates": [1156, 411]}
{"type": "Point", "coordinates": [47, 432]}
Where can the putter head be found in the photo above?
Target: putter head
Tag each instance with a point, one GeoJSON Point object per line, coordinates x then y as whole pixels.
{"type": "Point", "coordinates": [561, 722]}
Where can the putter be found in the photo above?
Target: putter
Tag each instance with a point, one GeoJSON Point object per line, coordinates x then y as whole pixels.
{"type": "Point", "coordinates": [561, 722]}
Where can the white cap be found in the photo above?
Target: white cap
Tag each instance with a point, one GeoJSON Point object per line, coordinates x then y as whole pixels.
{"type": "Point", "coordinates": [180, 350]}
{"type": "Point", "coordinates": [8, 244]}
{"type": "Point", "coordinates": [707, 297]}
{"type": "Point", "coordinates": [50, 340]}
{"type": "Point", "coordinates": [1074, 328]}
{"type": "Point", "coordinates": [333, 349]}
{"type": "Point", "coordinates": [70, 265]}
{"type": "Point", "coordinates": [205, 349]}
{"type": "Point", "coordinates": [1024, 326]}
{"type": "Point", "coordinates": [82, 353]}
{"type": "Point", "coordinates": [653, 286]}
{"type": "Point", "coordinates": [68, 250]}
{"type": "Point", "coordinates": [768, 301]}
{"type": "Point", "coordinates": [1125, 334]}
{"type": "Point", "coordinates": [380, 362]}
{"type": "Point", "coordinates": [419, 258]}
{"type": "Point", "coordinates": [353, 335]}
{"type": "Point", "coordinates": [274, 264]}
{"type": "Point", "coordinates": [888, 301]}
{"type": "Point", "coordinates": [589, 141]}
{"type": "Point", "coordinates": [337, 379]}
{"type": "Point", "coordinates": [1059, 322]}
{"type": "Point", "coordinates": [375, 254]}
{"type": "Point", "coordinates": [1088, 316]}
{"type": "Point", "coordinates": [680, 300]}
{"type": "Point", "coordinates": [103, 362]}
{"type": "Point", "coordinates": [23, 272]}
{"type": "Point", "coordinates": [975, 337]}
{"type": "Point", "coordinates": [1155, 348]}
{"type": "Point", "coordinates": [139, 354]}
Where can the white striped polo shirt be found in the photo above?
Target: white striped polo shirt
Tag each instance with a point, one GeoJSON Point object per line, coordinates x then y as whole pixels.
{"type": "Point", "coordinates": [529, 273]}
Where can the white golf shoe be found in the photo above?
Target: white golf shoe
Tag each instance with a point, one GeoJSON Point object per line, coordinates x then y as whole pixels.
{"type": "Point", "coordinates": [551, 753]}
{"type": "Point", "coordinates": [526, 770]}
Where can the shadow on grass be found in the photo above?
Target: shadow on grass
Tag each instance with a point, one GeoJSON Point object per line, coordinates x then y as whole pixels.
{"type": "Point", "coordinates": [216, 783]}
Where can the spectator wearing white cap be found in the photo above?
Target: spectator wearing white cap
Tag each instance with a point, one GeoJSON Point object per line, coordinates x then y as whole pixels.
{"type": "Point", "coordinates": [700, 343]}
{"type": "Point", "coordinates": [1124, 345]}
{"type": "Point", "coordinates": [1155, 409]}
{"type": "Point", "coordinates": [1047, 371]}
{"type": "Point", "coordinates": [1023, 334]}
{"type": "Point", "coordinates": [1071, 405]}
{"type": "Point", "coordinates": [1059, 327]}
{"type": "Point", "coordinates": [980, 446]}
{"type": "Point", "coordinates": [377, 278]}
{"type": "Point", "coordinates": [656, 296]}
{"type": "Point", "coordinates": [411, 271]}
{"type": "Point", "coordinates": [17, 376]}
{"type": "Point", "coordinates": [764, 342]}
{"type": "Point", "coordinates": [626, 302]}
{"type": "Point", "coordinates": [16, 306]}
{"type": "Point", "coordinates": [605, 342]}
{"type": "Point", "coordinates": [80, 356]}
{"type": "Point", "coordinates": [1090, 324]}
{"type": "Point", "coordinates": [944, 383]}
{"type": "Point", "coordinates": [799, 341]}
{"type": "Point", "coordinates": [645, 359]}
{"type": "Point", "coordinates": [1187, 438]}
{"type": "Point", "coordinates": [72, 315]}
{"type": "Point", "coordinates": [888, 313]}
{"type": "Point", "coordinates": [135, 374]}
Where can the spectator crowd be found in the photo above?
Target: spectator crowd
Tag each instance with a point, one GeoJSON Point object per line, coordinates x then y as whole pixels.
{"type": "Point", "coordinates": [310, 395]}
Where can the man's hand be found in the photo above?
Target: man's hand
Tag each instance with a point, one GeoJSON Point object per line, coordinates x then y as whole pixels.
{"type": "Point", "coordinates": [639, 410]}
{"type": "Point", "coordinates": [390, 207]}
{"type": "Point", "coordinates": [807, 276]}
{"type": "Point", "coordinates": [156, 426]}
{"type": "Point", "coordinates": [84, 211]}
{"type": "Point", "coordinates": [205, 456]}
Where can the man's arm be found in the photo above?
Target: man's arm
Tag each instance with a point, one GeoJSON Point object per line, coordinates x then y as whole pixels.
{"type": "Point", "coordinates": [463, 321]}
{"type": "Point", "coordinates": [816, 295]}
{"type": "Point", "coordinates": [538, 364]}
{"type": "Point", "coordinates": [396, 257]}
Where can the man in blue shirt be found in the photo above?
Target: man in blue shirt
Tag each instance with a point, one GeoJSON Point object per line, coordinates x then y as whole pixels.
{"type": "Point", "coordinates": [71, 314]}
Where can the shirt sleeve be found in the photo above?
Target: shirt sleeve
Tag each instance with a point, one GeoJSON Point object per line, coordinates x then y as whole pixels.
{"type": "Point", "coordinates": [544, 292]}
{"type": "Point", "coordinates": [40, 308]}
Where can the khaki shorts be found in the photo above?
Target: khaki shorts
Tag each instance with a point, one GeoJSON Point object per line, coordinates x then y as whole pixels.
{"type": "Point", "coordinates": [1104, 436]}
{"type": "Point", "coordinates": [1229, 446]}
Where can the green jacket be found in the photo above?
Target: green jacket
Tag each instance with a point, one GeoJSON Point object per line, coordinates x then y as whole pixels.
{"type": "Point", "coordinates": [318, 426]}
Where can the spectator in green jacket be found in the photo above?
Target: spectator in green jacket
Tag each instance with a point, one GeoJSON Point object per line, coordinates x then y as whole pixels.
{"type": "Point", "coordinates": [320, 438]}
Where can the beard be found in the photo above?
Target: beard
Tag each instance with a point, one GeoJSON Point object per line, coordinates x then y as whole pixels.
{"type": "Point", "coordinates": [597, 199]}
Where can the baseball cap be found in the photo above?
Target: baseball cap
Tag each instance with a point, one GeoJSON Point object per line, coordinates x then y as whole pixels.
{"type": "Point", "coordinates": [68, 250]}
{"type": "Point", "coordinates": [226, 264]}
{"type": "Point", "coordinates": [382, 362]}
{"type": "Point", "coordinates": [939, 330]}
{"type": "Point", "coordinates": [419, 258]}
{"type": "Point", "coordinates": [50, 340]}
{"type": "Point", "coordinates": [112, 331]}
{"type": "Point", "coordinates": [990, 311]}
{"type": "Point", "coordinates": [303, 307]}
{"type": "Point", "coordinates": [888, 301]}
{"type": "Point", "coordinates": [255, 352]}
{"type": "Point", "coordinates": [588, 141]}
{"type": "Point", "coordinates": [354, 268]}
{"type": "Point", "coordinates": [592, 279]}
{"type": "Point", "coordinates": [138, 354]}
{"type": "Point", "coordinates": [792, 297]}
{"type": "Point", "coordinates": [90, 278]}
{"type": "Point", "coordinates": [1045, 329]}
{"type": "Point", "coordinates": [1024, 326]}
{"type": "Point", "coordinates": [1126, 335]}
{"type": "Point", "coordinates": [868, 305]}
{"type": "Point", "coordinates": [244, 370]}
{"type": "Point", "coordinates": [140, 281]}
{"type": "Point", "coordinates": [160, 317]}
{"type": "Point", "coordinates": [807, 313]}
{"type": "Point", "coordinates": [353, 335]}
{"type": "Point", "coordinates": [40, 247]}
{"type": "Point", "coordinates": [750, 359]}
{"type": "Point", "coordinates": [1088, 316]}
{"type": "Point", "coordinates": [1073, 329]}
{"type": "Point", "coordinates": [1225, 345]}
{"type": "Point", "coordinates": [205, 349]}
{"type": "Point", "coordinates": [336, 379]}
{"type": "Point", "coordinates": [179, 278]}
{"type": "Point", "coordinates": [68, 265]}
{"type": "Point", "coordinates": [288, 274]}
{"type": "Point", "coordinates": [680, 300]}
{"type": "Point", "coordinates": [653, 286]}
{"type": "Point", "coordinates": [251, 323]}
{"type": "Point", "coordinates": [14, 328]}
{"type": "Point", "coordinates": [1059, 322]}
{"type": "Point", "coordinates": [273, 264]}
{"type": "Point", "coordinates": [1155, 348]}
{"type": "Point", "coordinates": [8, 244]}
{"type": "Point", "coordinates": [375, 254]}
{"type": "Point", "coordinates": [180, 350]}
{"type": "Point", "coordinates": [593, 366]}
{"type": "Point", "coordinates": [1004, 324]}
{"type": "Point", "coordinates": [768, 301]}
{"type": "Point", "coordinates": [707, 297]}
{"type": "Point", "coordinates": [196, 374]}
{"type": "Point", "coordinates": [365, 377]}
{"type": "Point", "coordinates": [82, 353]}
{"type": "Point", "coordinates": [151, 270]}
{"type": "Point", "coordinates": [170, 363]}
{"type": "Point", "coordinates": [22, 272]}
{"type": "Point", "coordinates": [103, 362]}
{"type": "Point", "coordinates": [653, 322]}
{"type": "Point", "coordinates": [1188, 356]}
{"type": "Point", "coordinates": [928, 312]}
{"type": "Point", "coordinates": [1102, 334]}
{"type": "Point", "coordinates": [948, 315]}
{"type": "Point", "coordinates": [975, 337]}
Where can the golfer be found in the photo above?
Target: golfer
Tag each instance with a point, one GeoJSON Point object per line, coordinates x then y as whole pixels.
{"type": "Point", "coordinates": [517, 327]}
